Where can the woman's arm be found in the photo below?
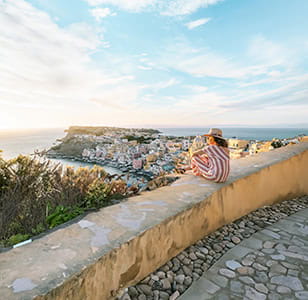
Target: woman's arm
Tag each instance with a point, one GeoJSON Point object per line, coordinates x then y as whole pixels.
{"type": "Point", "coordinates": [198, 152]}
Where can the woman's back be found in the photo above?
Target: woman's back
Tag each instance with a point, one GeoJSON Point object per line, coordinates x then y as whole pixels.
{"type": "Point", "coordinates": [213, 165]}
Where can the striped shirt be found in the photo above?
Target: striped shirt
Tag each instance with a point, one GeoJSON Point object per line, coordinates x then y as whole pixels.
{"type": "Point", "coordinates": [213, 165]}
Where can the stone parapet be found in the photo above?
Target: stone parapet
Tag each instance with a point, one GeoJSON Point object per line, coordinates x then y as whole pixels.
{"type": "Point", "coordinates": [96, 257]}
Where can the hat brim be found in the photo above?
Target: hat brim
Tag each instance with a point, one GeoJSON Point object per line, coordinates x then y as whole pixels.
{"type": "Point", "coordinates": [217, 136]}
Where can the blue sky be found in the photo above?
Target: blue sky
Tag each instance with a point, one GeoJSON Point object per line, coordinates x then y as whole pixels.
{"type": "Point", "coordinates": [153, 63]}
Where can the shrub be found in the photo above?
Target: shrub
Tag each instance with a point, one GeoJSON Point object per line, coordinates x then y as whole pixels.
{"type": "Point", "coordinates": [17, 238]}
{"type": "Point", "coordinates": [36, 195]}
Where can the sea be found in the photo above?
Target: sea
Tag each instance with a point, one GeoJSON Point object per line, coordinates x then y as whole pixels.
{"type": "Point", "coordinates": [26, 141]}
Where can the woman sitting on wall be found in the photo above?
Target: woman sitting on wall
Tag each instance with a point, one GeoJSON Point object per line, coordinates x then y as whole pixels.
{"type": "Point", "coordinates": [212, 162]}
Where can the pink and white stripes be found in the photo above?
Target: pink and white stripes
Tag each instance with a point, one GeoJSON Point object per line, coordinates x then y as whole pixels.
{"type": "Point", "coordinates": [213, 165]}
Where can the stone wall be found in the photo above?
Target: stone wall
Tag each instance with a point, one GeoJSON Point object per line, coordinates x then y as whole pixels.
{"type": "Point", "coordinates": [118, 246]}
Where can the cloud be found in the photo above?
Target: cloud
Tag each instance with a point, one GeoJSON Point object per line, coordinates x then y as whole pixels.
{"type": "Point", "coordinates": [197, 23]}
{"type": "Point", "coordinates": [184, 7]}
{"type": "Point", "coordinates": [44, 66]}
{"type": "Point", "coordinates": [100, 13]}
{"type": "Point", "coordinates": [144, 68]}
{"type": "Point", "coordinates": [292, 91]}
{"type": "Point", "coordinates": [265, 51]}
{"type": "Point", "coordinates": [130, 5]}
{"type": "Point", "coordinates": [118, 97]}
{"type": "Point", "coordinates": [206, 63]}
{"type": "Point", "coordinates": [262, 60]}
{"type": "Point", "coordinates": [168, 8]}
{"type": "Point", "coordinates": [164, 84]}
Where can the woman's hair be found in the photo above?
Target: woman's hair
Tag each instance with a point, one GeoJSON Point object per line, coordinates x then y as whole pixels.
{"type": "Point", "coordinates": [221, 142]}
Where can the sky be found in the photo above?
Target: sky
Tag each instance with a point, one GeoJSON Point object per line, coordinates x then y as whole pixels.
{"type": "Point", "coordinates": [153, 63]}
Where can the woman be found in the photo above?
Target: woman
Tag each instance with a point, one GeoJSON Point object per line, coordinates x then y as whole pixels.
{"type": "Point", "coordinates": [213, 161]}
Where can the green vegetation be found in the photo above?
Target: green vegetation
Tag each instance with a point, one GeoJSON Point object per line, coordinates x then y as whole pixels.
{"type": "Point", "coordinates": [72, 146]}
{"type": "Point", "coordinates": [36, 195]}
{"type": "Point", "coordinates": [139, 139]}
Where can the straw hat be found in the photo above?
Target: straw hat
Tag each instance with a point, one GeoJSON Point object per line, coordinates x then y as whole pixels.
{"type": "Point", "coordinates": [216, 132]}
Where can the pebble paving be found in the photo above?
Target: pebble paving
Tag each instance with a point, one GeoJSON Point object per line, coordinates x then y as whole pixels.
{"type": "Point", "coordinates": [263, 255]}
{"type": "Point", "coordinates": [271, 264]}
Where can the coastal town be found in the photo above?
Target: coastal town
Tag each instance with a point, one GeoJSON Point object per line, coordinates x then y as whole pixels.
{"type": "Point", "coordinates": [145, 154]}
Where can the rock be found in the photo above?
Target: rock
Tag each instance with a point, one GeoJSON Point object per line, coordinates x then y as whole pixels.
{"type": "Point", "coordinates": [142, 297]}
{"type": "Point", "coordinates": [280, 247]}
{"type": "Point", "coordinates": [230, 245]}
{"type": "Point", "coordinates": [245, 271]}
{"type": "Point", "coordinates": [268, 251]}
{"type": "Point", "coordinates": [270, 263]}
{"type": "Point", "coordinates": [302, 295]}
{"type": "Point", "coordinates": [293, 273]}
{"type": "Point", "coordinates": [176, 268]}
{"type": "Point", "coordinates": [170, 274]}
{"type": "Point", "coordinates": [262, 277]}
{"type": "Point", "coordinates": [126, 297]}
{"type": "Point", "coordinates": [251, 293]}
{"type": "Point", "coordinates": [161, 275]}
{"type": "Point", "coordinates": [175, 295]}
{"type": "Point", "coordinates": [154, 277]}
{"type": "Point", "coordinates": [151, 282]}
{"type": "Point", "coordinates": [156, 295]}
{"type": "Point", "coordinates": [259, 253]}
{"type": "Point", "coordinates": [259, 267]}
{"type": "Point", "coordinates": [188, 281]}
{"type": "Point", "coordinates": [145, 289]}
{"type": "Point", "coordinates": [200, 255]}
{"type": "Point", "coordinates": [272, 287]}
{"type": "Point", "coordinates": [156, 285]}
{"type": "Point", "coordinates": [176, 261]}
{"type": "Point", "coordinates": [205, 266]}
{"type": "Point", "coordinates": [235, 240]}
{"type": "Point", "coordinates": [290, 266]}
{"type": "Point", "coordinates": [246, 280]}
{"type": "Point", "coordinates": [269, 244]}
{"type": "Point", "coordinates": [164, 268]}
{"type": "Point", "coordinates": [273, 296]}
{"type": "Point", "coordinates": [187, 271]}
{"type": "Point", "coordinates": [261, 288]}
{"type": "Point", "coordinates": [242, 224]}
{"type": "Point", "coordinates": [236, 287]}
{"type": "Point", "coordinates": [217, 247]}
{"type": "Point", "coordinates": [296, 249]}
{"type": "Point", "coordinates": [186, 261]}
{"type": "Point", "coordinates": [278, 257]}
{"type": "Point", "coordinates": [198, 271]}
{"type": "Point", "coordinates": [132, 291]}
{"type": "Point", "coordinates": [221, 281]}
{"type": "Point", "coordinates": [278, 269]}
{"type": "Point", "coordinates": [195, 276]}
{"type": "Point", "coordinates": [193, 256]}
{"type": "Point", "coordinates": [247, 261]}
{"type": "Point", "coordinates": [232, 264]}
{"type": "Point", "coordinates": [179, 278]}
{"type": "Point", "coordinates": [181, 256]}
{"type": "Point", "coordinates": [227, 273]}
{"type": "Point", "coordinates": [169, 264]}
{"type": "Point", "coordinates": [165, 284]}
{"type": "Point", "coordinates": [163, 295]}
{"type": "Point", "coordinates": [204, 250]}
{"type": "Point", "coordinates": [283, 290]}
{"type": "Point", "coordinates": [181, 288]}
{"type": "Point", "coordinates": [291, 282]}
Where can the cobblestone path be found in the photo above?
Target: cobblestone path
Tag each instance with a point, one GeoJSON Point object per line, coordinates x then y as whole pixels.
{"type": "Point", "coordinates": [271, 264]}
